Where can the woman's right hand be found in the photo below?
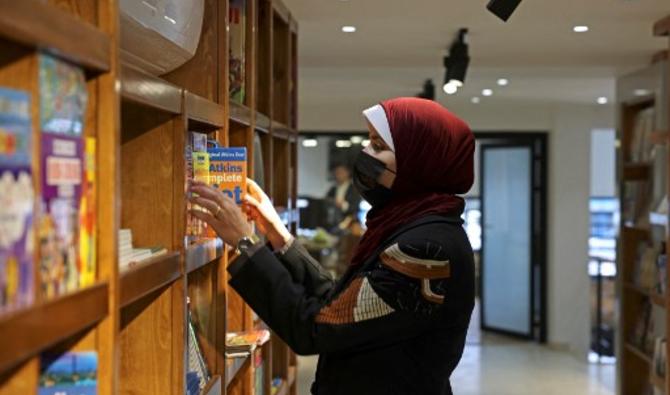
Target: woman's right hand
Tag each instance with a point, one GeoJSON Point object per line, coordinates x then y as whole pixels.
{"type": "Point", "coordinates": [259, 208]}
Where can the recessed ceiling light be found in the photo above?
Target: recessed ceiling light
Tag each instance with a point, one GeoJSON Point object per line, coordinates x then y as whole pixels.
{"type": "Point", "coordinates": [487, 92]}
{"type": "Point", "coordinates": [310, 143]}
{"type": "Point", "coordinates": [349, 29]}
{"type": "Point", "coordinates": [356, 139]}
{"type": "Point", "coordinates": [450, 88]}
{"type": "Point", "coordinates": [602, 100]}
{"type": "Point", "coordinates": [475, 100]}
{"type": "Point", "coordinates": [580, 29]}
{"type": "Point", "coordinates": [343, 143]}
{"type": "Point", "coordinates": [365, 143]}
{"type": "Point", "coordinates": [503, 81]}
{"type": "Point", "coordinates": [641, 92]}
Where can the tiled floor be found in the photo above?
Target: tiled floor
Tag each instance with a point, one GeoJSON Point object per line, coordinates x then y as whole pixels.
{"type": "Point", "coordinates": [508, 367]}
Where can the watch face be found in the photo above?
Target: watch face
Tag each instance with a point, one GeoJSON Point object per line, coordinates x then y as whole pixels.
{"type": "Point", "coordinates": [244, 244]}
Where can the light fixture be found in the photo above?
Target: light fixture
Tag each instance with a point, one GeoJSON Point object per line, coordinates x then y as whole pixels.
{"type": "Point", "coordinates": [308, 143]}
{"type": "Point", "coordinates": [503, 81]}
{"type": "Point", "coordinates": [580, 29]}
{"type": "Point", "coordinates": [456, 64]}
{"type": "Point", "coordinates": [428, 91]}
{"type": "Point", "coordinates": [356, 139]}
{"type": "Point", "coordinates": [450, 87]}
{"type": "Point", "coordinates": [349, 29]}
{"type": "Point", "coordinates": [343, 143]}
{"type": "Point", "coordinates": [365, 143]}
{"type": "Point", "coordinates": [475, 100]}
{"type": "Point", "coordinates": [641, 92]}
{"type": "Point", "coordinates": [602, 100]}
{"type": "Point", "coordinates": [487, 92]}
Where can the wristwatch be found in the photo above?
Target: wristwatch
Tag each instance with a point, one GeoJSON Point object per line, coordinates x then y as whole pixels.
{"type": "Point", "coordinates": [245, 243]}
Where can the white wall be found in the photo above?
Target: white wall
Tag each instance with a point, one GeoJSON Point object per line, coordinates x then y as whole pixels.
{"type": "Point", "coordinates": [313, 169]}
{"type": "Point", "coordinates": [603, 162]}
{"type": "Point", "coordinates": [569, 128]}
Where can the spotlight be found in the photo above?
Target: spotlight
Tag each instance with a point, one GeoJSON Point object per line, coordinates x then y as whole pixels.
{"type": "Point", "coordinates": [503, 9]}
{"type": "Point", "coordinates": [456, 63]}
{"type": "Point", "coordinates": [428, 91]}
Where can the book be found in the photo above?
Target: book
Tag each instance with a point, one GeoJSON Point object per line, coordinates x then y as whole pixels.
{"type": "Point", "coordinates": [660, 357]}
{"type": "Point", "coordinates": [16, 201]}
{"type": "Point", "coordinates": [196, 360]}
{"type": "Point", "coordinates": [228, 172]}
{"type": "Point", "coordinates": [246, 342]}
{"type": "Point", "coordinates": [71, 373]}
{"type": "Point", "coordinates": [259, 373]}
{"type": "Point", "coordinates": [87, 218]}
{"type": "Point", "coordinates": [661, 274]}
{"type": "Point", "coordinates": [62, 175]}
{"type": "Point", "coordinates": [237, 50]}
{"type": "Point", "coordinates": [130, 256]}
{"type": "Point", "coordinates": [645, 268]}
{"type": "Point", "coordinates": [637, 336]}
{"type": "Point", "coordinates": [63, 97]}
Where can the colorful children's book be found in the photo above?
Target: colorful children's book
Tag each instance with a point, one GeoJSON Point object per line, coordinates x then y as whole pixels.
{"type": "Point", "coordinates": [238, 26]}
{"type": "Point", "coordinates": [246, 341]}
{"type": "Point", "coordinates": [62, 176]}
{"type": "Point", "coordinates": [16, 201]}
{"type": "Point", "coordinates": [74, 373]}
{"type": "Point", "coordinates": [87, 219]}
{"type": "Point", "coordinates": [63, 97]}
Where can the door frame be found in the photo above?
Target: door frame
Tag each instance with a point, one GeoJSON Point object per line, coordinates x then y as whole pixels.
{"type": "Point", "coordinates": [538, 144]}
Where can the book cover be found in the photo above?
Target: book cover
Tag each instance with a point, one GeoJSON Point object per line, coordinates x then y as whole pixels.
{"type": "Point", "coordinates": [72, 373]}
{"type": "Point", "coordinates": [16, 201]}
{"type": "Point", "coordinates": [62, 172]}
{"type": "Point", "coordinates": [63, 97]}
{"type": "Point", "coordinates": [228, 171]}
{"type": "Point", "coordinates": [237, 58]}
{"type": "Point", "coordinates": [87, 218]}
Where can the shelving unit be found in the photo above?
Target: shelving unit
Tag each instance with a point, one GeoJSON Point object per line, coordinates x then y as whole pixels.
{"type": "Point", "coordinates": [638, 93]}
{"type": "Point", "coordinates": [136, 320]}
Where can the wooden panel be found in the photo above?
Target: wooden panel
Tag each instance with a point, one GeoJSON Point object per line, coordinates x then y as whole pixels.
{"type": "Point", "coordinates": [264, 58]}
{"type": "Point", "coordinates": [263, 123]}
{"type": "Point", "coordinates": [146, 346]}
{"type": "Point", "coordinates": [85, 10]}
{"type": "Point", "coordinates": [662, 27]}
{"type": "Point", "coordinates": [41, 25]}
{"type": "Point", "coordinates": [145, 89]}
{"type": "Point", "coordinates": [200, 74]}
{"type": "Point", "coordinates": [147, 177]}
{"type": "Point", "coordinates": [240, 114]}
{"type": "Point", "coordinates": [281, 11]}
{"type": "Point", "coordinates": [148, 277]}
{"type": "Point", "coordinates": [22, 380]}
{"type": "Point", "coordinates": [281, 72]}
{"type": "Point", "coordinates": [22, 334]}
{"type": "Point", "coordinates": [235, 366]}
{"type": "Point", "coordinates": [204, 111]}
{"type": "Point", "coordinates": [636, 171]}
{"type": "Point", "coordinates": [280, 161]}
{"type": "Point", "coordinates": [203, 253]}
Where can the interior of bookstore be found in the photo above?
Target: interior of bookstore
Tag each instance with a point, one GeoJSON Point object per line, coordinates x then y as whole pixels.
{"type": "Point", "coordinates": [334, 197]}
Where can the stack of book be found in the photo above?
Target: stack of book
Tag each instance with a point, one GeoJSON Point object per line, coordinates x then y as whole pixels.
{"type": "Point", "coordinates": [660, 357]}
{"type": "Point", "coordinates": [244, 343]}
{"type": "Point", "coordinates": [129, 256]}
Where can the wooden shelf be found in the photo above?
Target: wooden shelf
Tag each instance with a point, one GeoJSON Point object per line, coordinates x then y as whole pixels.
{"type": "Point", "coordinates": [282, 131]}
{"type": "Point", "coordinates": [640, 290]}
{"type": "Point", "coordinates": [145, 89]}
{"type": "Point", "coordinates": [657, 381]}
{"type": "Point", "coordinates": [636, 171]}
{"type": "Point", "coordinates": [662, 27]}
{"type": "Point", "coordinates": [234, 366]}
{"type": "Point", "coordinates": [213, 387]}
{"type": "Point", "coordinates": [263, 122]}
{"type": "Point", "coordinates": [22, 334]}
{"type": "Point", "coordinates": [43, 26]}
{"type": "Point", "coordinates": [240, 113]}
{"type": "Point", "coordinates": [637, 352]}
{"type": "Point", "coordinates": [281, 10]}
{"type": "Point", "coordinates": [149, 276]}
{"type": "Point", "coordinates": [203, 111]}
{"type": "Point", "coordinates": [203, 253]}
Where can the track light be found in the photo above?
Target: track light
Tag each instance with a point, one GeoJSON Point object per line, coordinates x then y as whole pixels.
{"type": "Point", "coordinates": [503, 9]}
{"type": "Point", "coordinates": [456, 64]}
{"type": "Point", "coordinates": [428, 91]}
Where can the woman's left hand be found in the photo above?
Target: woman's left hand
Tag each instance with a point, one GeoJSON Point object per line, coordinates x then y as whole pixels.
{"type": "Point", "coordinates": [224, 216]}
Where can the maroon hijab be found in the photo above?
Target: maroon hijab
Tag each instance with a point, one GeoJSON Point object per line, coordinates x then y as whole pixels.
{"type": "Point", "coordinates": [434, 156]}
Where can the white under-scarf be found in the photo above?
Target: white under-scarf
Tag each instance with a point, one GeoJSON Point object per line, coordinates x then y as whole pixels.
{"type": "Point", "coordinates": [377, 117]}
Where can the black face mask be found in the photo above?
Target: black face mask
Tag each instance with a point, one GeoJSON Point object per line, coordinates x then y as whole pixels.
{"type": "Point", "coordinates": [367, 171]}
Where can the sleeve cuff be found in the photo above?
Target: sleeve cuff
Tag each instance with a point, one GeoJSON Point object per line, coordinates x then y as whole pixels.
{"type": "Point", "coordinates": [236, 265]}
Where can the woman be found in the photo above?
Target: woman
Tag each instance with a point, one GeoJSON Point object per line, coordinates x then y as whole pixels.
{"type": "Point", "coordinates": [396, 321]}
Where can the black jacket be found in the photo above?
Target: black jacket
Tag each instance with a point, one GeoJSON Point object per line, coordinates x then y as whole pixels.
{"type": "Point", "coordinates": [378, 330]}
{"type": "Point", "coordinates": [351, 196]}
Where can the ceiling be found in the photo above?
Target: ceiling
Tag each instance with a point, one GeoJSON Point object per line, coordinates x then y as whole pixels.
{"type": "Point", "coordinates": [400, 43]}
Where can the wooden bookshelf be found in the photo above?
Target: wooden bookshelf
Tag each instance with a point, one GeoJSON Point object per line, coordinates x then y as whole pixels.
{"type": "Point", "coordinates": [635, 367]}
{"type": "Point", "coordinates": [137, 320]}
